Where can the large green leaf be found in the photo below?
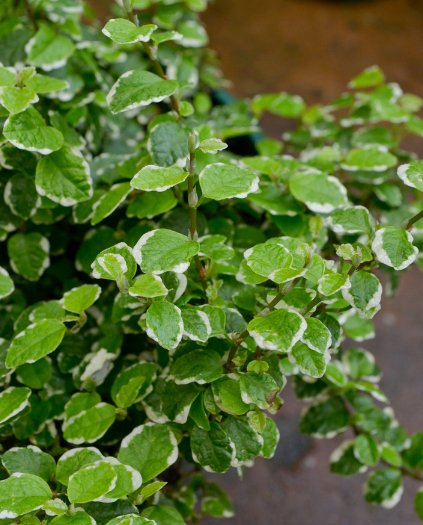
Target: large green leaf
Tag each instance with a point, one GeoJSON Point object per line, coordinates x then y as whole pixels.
{"type": "Point", "coordinates": [226, 181]}
{"type": "Point", "coordinates": [29, 460]}
{"type": "Point", "coordinates": [394, 247]}
{"type": "Point", "coordinates": [49, 50]}
{"type": "Point", "coordinates": [201, 366]}
{"type": "Point", "coordinates": [29, 254]}
{"type": "Point", "coordinates": [279, 331]}
{"type": "Point", "coordinates": [74, 460]}
{"type": "Point", "coordinates": [164, 324]}
{"type": "Point", "coordinates": [91, 483]}
{"type": "Point", "coordinates": [212, 449]}
{"type": "Point", "coordinates": [168, 144]}
{"type": "Point", "coordinates": [123, 31]}
{"type": "Point", "coordinates": [22, 493]}
{"type": "Point", "coordinates": [156, 178]}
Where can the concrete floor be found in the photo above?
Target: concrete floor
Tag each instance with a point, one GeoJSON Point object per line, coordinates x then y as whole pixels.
{"type": "Point", "coordinates": [313, 48]}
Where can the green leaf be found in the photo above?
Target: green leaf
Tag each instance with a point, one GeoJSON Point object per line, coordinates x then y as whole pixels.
{"type": "Point", "coordinates": [123, 31]}
{"type": "Point", "coordinates": [139, 88]}
{"type": "Point", "coordinates": [227, 181]}
{"type": "Point", "coordinates": [128, 480]}
{"type": "Point", "coordinates": [162, 515]}
{"type": "Point", "coordinates": [22, 493]}
{"type": "Point", "coordinates": [365, 292]}
{"type": "Point", "coordinates": [148, 285]}
{"type": "Point", "coordinates": [194, 35]}
{"type": "Point", "coordinates": [165, 325]}
{"type": "Point", "coordinates": [247, 441]}
{"type": "Point", "coordinates": [370, 77]}
{"type": "Point", "coordinates": [317, 337]}
{"type": "Point", "coordinates": [413, 452]}
{"type": "Point", "coordinates": [177, 401]}
{"type": "Point", "coordinates": [366, 450]}
{"type": "Point", "coordinates": [215, 502]}
{"type": "Point", "coordinates": [198, 412]}
{"type": "Point", "coordinates": [89, 425]}
{"type": "Point", "coordinates": [350, 220]}
{"type": "Point", "coordinates": [217, 319]}
{"type": "Point", "coordinates": [168, 144]}
{"type": "Point", "coordinates": [319, 192]}
{"type": "Point", "coordinates": [359, 329]}
{"type": "Point", "coordinates": [279, 331]}
{"type": "Point", "coordinates": [343, 461]}
{"type": "Point", "coordinates": [108, 202]}
{"type": "Point", "coordinates": [30, 460]}
{"type": "Point", "coordinates": [418, 503]}
{"type": "Point", "coordinates": [151, 204]}
{"type": "Point", "coordinates": [35, 342]}
{"type": "Point", "coordinates": [81, 298]}
{"type": "Point", "coordinates": [7, 76]}
{"type": "Point", "coordinates": [7, 286]}
{"type": "Point", "coordinates": [29, 254]}
{"type": "Point", "coordinates": [156, 178]}
{"type": "Point", "coordinates": [270, 436]}
{"type": "Point", "coordinates": [267, 259]}
{"type": "Point", "coordinates": [35, 375]}
{"type": "Point", "coordinates": [384, 487]}
{"type": "Point", "coordinates": [64, 177]}
{"type": "Point", "coordinates": [149, 490]}
{"type": "Point", "coordinates": [83, 211]}
{"type": "Point", "coordinates": [133, 384]}
{"type": "Point", "coordinates": [79, 518]}
{"type": "Point", "coordinates": [45, 84]}
{"type": "Point", "coordinates": [369, 159]}
{"type": "Point", "coordinates": [196, 324]}
{"type": "Point", "coordinates": [310, 362]}
{"type": "Point", "coordinates": [160, 251]}
{"type": "Point", "coordinates": [91, 483]}
{"type": "Point", "coordinates": [201, 366]}
{"type": "Point", "coordinates": [212, 145]}
{"type": "Point", "coordinates": [332, 283]}
{"type": "Point", "coordinates": [258, 389]}
{"type": "Point", "coordinates": [150, 449]}
{"type": "Point", "coordinates": [247, 276]}
{"type": "Point", "coordinates": [165, 36]}
{"type": "Point", "coordinates": [74, 460]}
{"type": "Point", "coordinates": [227, 396]}
{"type": "Point", "coordinates": [27, 131]}
{"type": "Point", "coordinates": [16, 99]}
{"type": "Point", "coordinates": [359, 363]}
{"type": "Point", "coordinates": [55, 507]}
{"type": "Point", "coordinates": [412, 174]}
{"type": "Point", "coordinates": [394, 247]}
{"type": "Point", "coordinates": [12, 401]}
{"type": "Point", "coordinates": [212, 449]}
{"type": "Point", "coordinates": [325, 419]}
{"type": "Point", "coordinates": [21, 196]}
{"type": "Point", "coordinates": [281, 104]}
{"type": "Point", "coordinates": [114, 263]}
{"type": "Point", "coordinates": [49, 50]}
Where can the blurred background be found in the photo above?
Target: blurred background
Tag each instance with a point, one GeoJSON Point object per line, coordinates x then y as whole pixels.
{"type": "Point", "coordinates": [313, 48]}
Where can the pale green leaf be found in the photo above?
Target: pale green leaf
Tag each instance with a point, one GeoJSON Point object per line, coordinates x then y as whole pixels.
{"type": "Point", "coordinates": [91, 483]}
{"type": "Point", "coordinates": [16, 99]}
{"type": "Point", "coordinates": [156, 178]}
{"type": "Point", "coordinates": [148, 285]}
{"type": "Point", "coordinates": [309, 361]}
{"type": "Point", "coordinates": [351, 220]}
{"type": "Point", "coordinates": [212, 145]}
{"type": "Point", "coordinates": [45, 84]}
{"type": "Point", "coordinates": [123, 31]}
{"type": "Point", "coordinates": [226, 181]}
{"type": "Point", "coordinates": [394, 247]}
{"type": "Point", "coordinates": [114, 263]}
{"type": "Point", "coordinates": [7, 286]}
{"type": "Point", "coordinates": [164, 324]}
{"type": "Point", "coordinates": [79, 299]}
{"type": "Point", "coordinates": [29, 460]}
{"type": "Point", "coordinates": [108, 202]}
{"type": "Point", "coordinates": [49, 50]}
{"type": "Point", "coordinates": [89, 425]}
{"type": "Point", "coordinates": [22, 493]}
{"type": "Point", "coordinates": [74, 460]}
{"type": "Point", "coordinates": [369, 159]}
{"type": "Point", "coordinates": [29, 255]}
{"type": "Point", "coordinates": [12, 401]}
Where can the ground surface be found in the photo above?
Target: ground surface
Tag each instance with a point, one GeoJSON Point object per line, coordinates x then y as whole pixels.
{"type": "Point", "coordinates": [313, 48]}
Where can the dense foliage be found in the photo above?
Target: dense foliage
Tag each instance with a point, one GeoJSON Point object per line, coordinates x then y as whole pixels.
{"type": "Point", "coordinates": [165, 269]}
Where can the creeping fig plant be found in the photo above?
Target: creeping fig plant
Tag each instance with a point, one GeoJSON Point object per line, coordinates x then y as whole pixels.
{"type": "Point", "coordinates": [158, 290]}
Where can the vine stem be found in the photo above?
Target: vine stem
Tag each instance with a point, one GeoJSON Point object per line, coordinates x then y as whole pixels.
{"type": "Point", "coordinates": [407, 225]}
{"type": "Point", "coordinates": [152, 55]}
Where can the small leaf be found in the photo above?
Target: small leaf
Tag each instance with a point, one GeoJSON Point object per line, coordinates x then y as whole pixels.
{"type": "Point", "coordinates": [133, 384]}
{"type": "Point", "coordinates": [212, 449]}
{"type": "Point", "coordinates": [162, 251]}
{"type": "Point", "coordinates": [412, 174]}
{"type": "Point", "coordinates": [247, 441]}
{"type": "Point", "coordinates": [365, 292]}
{"type": "Point", "coordinates": [201, 366]}
{"type": "Point", "coordinates": [64, 177]}
{"type": "Point", "coordinates": [164, 324]}
{"type": "Point", "coordinates": [394, 247]}
{"type": "Point", "coordinates": [7, 76]}
{"type": "Point", "coordinates": [212, 145]}
{"type": "Point", "coordinates": [227, 181]}
{"type": "Point", "coordinates": [92, 482]}
{"type": "Point", "coordinates": [89, 425]}
{"type": "Point", "coordinates": [370, 77]}
{"type": "Point", "coordinates": [16, 99]}
{"type": "Point", "coordinates": [384, 487]}
{"type": "Point", "coordinates": [333, 282]}
{"type": "Point", "coordinates": [366, 450]}
{"type": "Point", "coordinates": [139, 88]}
{"type": "Point", "coordinates": [108, 202]}
{"type": "Point", "coordinates": [258, 389]}
{"type": "Point", "coordinates": [128, 480]}
{"type": "Point", "coordinates": [369, 159]}
{"type": "Point", "coordinates": [350, 220]}
{"type": "Point", "coordinates": [316, 336]}
{"type": "Point", "coordinates": [35, 342]}
{"type": "Point", "coordinates": [151, 204]}
{"type": "Point", "coordinates": [29, 254]}
{"type": "Point", "coordinates": [148, 285]}
{"type": "Point", "coordinates": [21, 196]}
{"type": "Point", "coordinates": [114, 263]}
{"type": "Point", "coordinates": [49, 50]}
{"type": "Point", "coordinates": [267, 259]}
{"type": "Point", "coordinates": [310, 362]}
{"type": "Point", "coordinates": [123, 31]}
{"type": "Point", "coordinates": [196, 324]}
{"type": "Point", "coordinates": [28, 131]}
{"type": "Point", "coordinates": [319, 192]}
{"type": "Point", "coordinates": [279, 331]}
{"type": "Point", "coordinates": [270, 436]}
{"type": "Point", "coordinates": [30, 460]}
{"type": "Point", "coordinates": [168, 144]}
{"type": "Point", "coordinates": [7, 286]}
{"type": "Point", "coordinates": [45, 84]}
{"type": "Point", "coordinates": [22, 493]}
{"type": "Point", "coordinates": [74, 460]}
{"type": "Point", "coordinates": [81, 298]}
{"type": "Point", "coordinates": [150, 449]}
{"type": "Point", "coordinates": [12, 401]}
{"type": "Point", "coordinates": [156, 178]}
{"type": "Point", "coordinates": [325, 419]}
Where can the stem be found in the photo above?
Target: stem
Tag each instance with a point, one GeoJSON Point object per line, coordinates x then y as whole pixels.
{"type": "Point", "coordinates": [407, 225]}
